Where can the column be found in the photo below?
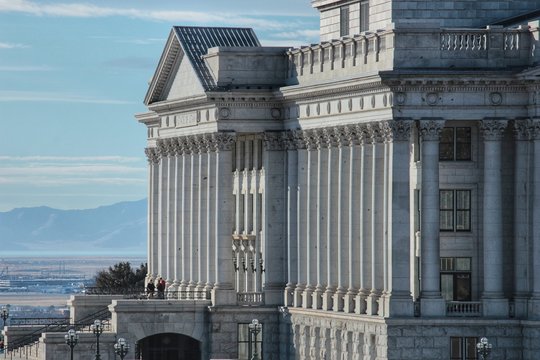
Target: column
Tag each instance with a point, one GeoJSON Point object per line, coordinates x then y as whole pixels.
{"type": "Point", "coordinates": [202, 213]}
{"type": "Point", "coordinates": [292, 223]}
{"type": "Point", "coordinates": [351, 202]}
{"type": "Point", "coordinates": [311, 214]}
{"type": "Point", "coordinates": [153, 174]}
{"type": "Point", "coordinates": [185, 235]}
{"type": "Point", "coordinates": [432, 303]}
{"type": "Point", "coordinates": [332, 218]}
{"type": "Point", "coordinates": [522, 194]}
{"type": "Point", "coordinates": [398, 296]}
{"type": "Point", "coordinates": [321, 201]}
{"type": "Point", "coordinates": [534, 303]}
{"type": "Point", "coordinates": [162, 210]}
{"type": "Point", "coordinates": [176, 244]}
{"type": "Point", "coordinates": [301, 216]}
{"type": "Point", "coordinates": [193, 249]}
{"type": "Point", "coordinates": [210, 220]}
{"type": "Point", "coordinates": [342, 229]}
{"type": "Point", "coordinates": [223, 291]}
{"type": "Point", "coordinates": [170, 252]}
{"type": "Point", "coordinates": [493, 301]}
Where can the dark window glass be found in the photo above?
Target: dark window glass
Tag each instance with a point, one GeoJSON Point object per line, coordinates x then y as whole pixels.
{"type": "Point", "coordinates": [455, 210]}
{"type": "Point", "coordinates": [463, 143]}
{"type": "Point", "coordinates": [364, 16]}
{"type": "Point", "coordinates": [463, 210]}
{"type": "Point", "coordinates": [446, 145]}
{"type": "Point", "coordinates": [244, 343]}
{"type": "Point", "coordinates": [463, 348]}
{"type": "Point", "coordinates": [446, 214]}
{"type": "Point", "coordinates": [455, 144]}
{"type": "Point", "coordinates": [344, 21]}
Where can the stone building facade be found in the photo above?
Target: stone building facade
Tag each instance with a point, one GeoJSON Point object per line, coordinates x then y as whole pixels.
{"type": "Point", "coordinates": [381, 187]}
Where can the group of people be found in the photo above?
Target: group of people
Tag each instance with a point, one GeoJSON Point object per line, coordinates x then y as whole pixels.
{"type": "Point", "coordinates": [151, 288]}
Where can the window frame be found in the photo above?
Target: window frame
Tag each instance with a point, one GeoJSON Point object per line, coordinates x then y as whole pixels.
{"type": "Point", "coordinates": [344, 20]}
{"type": "Point", "coordinates": [258, 340]}
{"type": "Point", "coordinates": [363, 15]}
{"type": "Point", "coordinates": [465, 345]}
{"type": "Point", "coordinates": [455, 145]}
{"type": "Point", "coordinates": [454, 210]}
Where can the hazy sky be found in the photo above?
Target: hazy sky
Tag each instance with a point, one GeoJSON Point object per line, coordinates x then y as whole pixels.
{"type": "Point", "coordinates": [73, 74]}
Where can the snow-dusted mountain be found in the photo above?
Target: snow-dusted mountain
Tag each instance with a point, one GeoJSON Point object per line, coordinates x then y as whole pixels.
{"type": "Point", "coordinates": [115, 229]}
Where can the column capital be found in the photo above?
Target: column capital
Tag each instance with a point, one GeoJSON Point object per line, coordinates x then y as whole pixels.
{"type": "Point", "coordinates": [493, 130]}
{"type": "Point", "coordinates": [375, 132]}
{"type": "Point", "coordinates": [396, 130]}
{"type": "Point", "coordinates": [297, 140]}
{"type": "Point", "coordinates": [223, 141]}
{"type": "Point", "coordinates": [289, 140]}
{"type": "Point", "coordinates": [362, 134]}
{"type": "Point", "coordinates": [163, 148]}
{"type": "Point", "coordinates": [521, 130]}
{"type": "Point", "coordinates": [534, 128]}
{"type": "Point", "coordinates": [330, 137]}
{"type": "Point", "coordinates": [430, 130]}
{"type": "Point", "coordinates": [273, 141]}
{"type": "Point", "coordinates": [152, 155]}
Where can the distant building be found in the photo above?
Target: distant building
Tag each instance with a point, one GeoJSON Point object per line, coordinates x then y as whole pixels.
{"type": "Point", "coordinates": [373, 196]}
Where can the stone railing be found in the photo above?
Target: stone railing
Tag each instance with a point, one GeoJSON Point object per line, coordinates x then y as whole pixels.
{"type": "Point", "coordinates": [464, 308]}
{"type": "Point", "coordinates": [409, 47]}
{"type": "Point", "coordinates": [250, 298]}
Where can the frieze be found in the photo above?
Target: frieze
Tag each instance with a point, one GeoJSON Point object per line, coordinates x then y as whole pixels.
{"type": "Point", "coordinates": [493, 130]}
{"type": "Point", "coordinates": [430, 130]}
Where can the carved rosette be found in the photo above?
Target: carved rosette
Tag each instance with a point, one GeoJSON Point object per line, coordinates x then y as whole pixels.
{"type": "Point", "coordinates": [493, 130]}
{"type": "Point", "coordinates": [430, 130]}
{"type": "Point", "coordinates": [396, 130]}
{"type": "Point", "coordinates": [521, 130]}
{"type": "Point", "coordinates": [534, 128]}
{"type": "Point", "coordinates": [224, 140]}
{"type": "Point", "coordinates": [273, 141]}
{"type": "Point", "coordinates": [152, 155]}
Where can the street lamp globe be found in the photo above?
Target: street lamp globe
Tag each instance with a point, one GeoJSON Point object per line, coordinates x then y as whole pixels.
{"type": "Point", "coordinates": [121, 348]}
{"type": "Point", "coordinates": [97, 329]}
{"type": "Point", "coordinates": [484, 348]}
{"type": "Point", "coordinates": [254, 329]}
{"type": "Point", "coordinates": [72, 337]}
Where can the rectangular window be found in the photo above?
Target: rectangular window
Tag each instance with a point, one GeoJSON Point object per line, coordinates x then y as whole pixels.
{"type": "Point", "coordinates": [248, 343]}
{"type": "Point", "coordinates": [364, 16]}
{"type": "Point", "coordinates": [455, 210]}
{"type": "Point", "coordinates": [456, 279]}
{"type": "Point", "coordinates": [455, 144]}
{"type": "Point", "coordinates": [344, 21]}
{"type": "Point", "coordinates": [463, 348]}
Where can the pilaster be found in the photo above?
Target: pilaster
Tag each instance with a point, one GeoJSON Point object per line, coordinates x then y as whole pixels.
{"type": "Point", "coordinates": [534, 302]}
{"type": "Point", "coordinates": [292, 218]}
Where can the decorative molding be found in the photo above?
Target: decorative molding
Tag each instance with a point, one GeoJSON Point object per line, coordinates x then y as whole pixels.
{"type": "Point", "coordinates": [152, 155]}
{"type": "Point", "coordinates": [430, 130]}
{"type": "Point", "coordinates": [496, 98]}
{"type": "Point", "coordinates": [534, 128]}
{"type": "Point", "coordinates": [396, 130]}
{"type": "Point", "coordinates": [493, 130]}
{"type": "Point", "coordinates": [375, 133]}
{"type": "Point", "coordinates": [521, 130]}
{"type": "Point", "coordinates": [273, 141]}
{"type": "Point", "coordinates": [223, 141]}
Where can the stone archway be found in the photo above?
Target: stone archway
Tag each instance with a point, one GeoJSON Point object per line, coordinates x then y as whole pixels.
{"type": "Point", "coordinates": [169, 346]}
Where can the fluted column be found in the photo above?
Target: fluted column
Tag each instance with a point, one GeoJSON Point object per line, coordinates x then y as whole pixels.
{"type": "Point", "coordinates": [153, 194]}
{"type": "Point", "coordinates": [522, 194]}
{"type": "Point", "coordinates": [331, 217]}
{"type": "Point", "coordinates": [311, 215]}
{"type": "Point", "coordinates": [203, 209]}
{"type": "Point", "coordinates": [177, 220]}
{"type": "Point", "coordinates": [210, 220]}
{"type": "Point", "coordinates": [494, 303]}
{"type": "Point", "coordinates": [398, 299]}
{"type": "Point", "coordinates": [169, 248]}
{"type": "Point", "coordinates": [301, 217]}
{"type": "Point", "coordinates": [432, 303]}
{"type": "Point", "coordinates": [185, 234]}
{"type": "Point", "coordinates": [223, 291]}
{"type": "Point", "coordinates": [534, 306]}
{"type": "Point", "coordinates": [318, 258]}
{"type": "Point", "coordinates": [193, 191]}
{"type": "Point", "coordinates": [292, 214]}
{"type": "Point", "coordinates": [162, 210]}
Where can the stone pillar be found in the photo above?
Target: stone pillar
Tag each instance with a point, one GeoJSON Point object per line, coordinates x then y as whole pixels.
{"type": "Point", "coordinates": [340, 242]}
{"type": "Point", "coordinates": [223, 291]}
{"type": "Point", "coordinates": [169, 248]}
{"type": "Point", "coordinates": [185, 235]}
{"type": "Point", "coordinates": [522, 193]}
{"type": "Point", "coordinates": [494, 303]}
{"type": "Point", "coordinates": [210, 220]}
{"type": "Point", "coordinates": [177, 219]}
{"type": "Point", "coordinates": [321, 200]}
{"type": "Point", "coordinates": [432, 303]}
{"type": "Point", "coordinates": [301, 217]}
{"type": "Point", "coordinates": [192, 222]}
{"type": "Point", "coordinates": [397, 299]}
{"type": "Point", "coordinates": [153, 193]}
{"type": "Point", "coordinates": [202, 207]}
{"type": "Point", "coordinates": [352, 203]}
{"type": "Point", "coordinates": [162, 210]}
{"type": "Point", "coordinates": [292, 218]}
{"type": "Point", "coordinates": [310, 214]}
{"type": "Point", "coordinates": [534, 303]}
{"type": "Point", "coordinates": [332, 217]}
{"type": "Point", "coordinates": [274, 214]}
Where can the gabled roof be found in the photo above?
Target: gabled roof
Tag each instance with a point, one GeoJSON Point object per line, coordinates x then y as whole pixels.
{"type": "Point", "coordinates": [194, 42]}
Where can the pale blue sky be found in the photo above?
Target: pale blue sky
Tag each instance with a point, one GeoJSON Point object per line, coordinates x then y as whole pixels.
{"type": "Point", "coordinates": [73, 74]}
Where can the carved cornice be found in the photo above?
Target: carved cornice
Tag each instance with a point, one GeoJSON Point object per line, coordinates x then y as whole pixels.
{"type": "Point", "coordinates": [493, 130]}
{"type": "Point", "coordinates": [430, 130]}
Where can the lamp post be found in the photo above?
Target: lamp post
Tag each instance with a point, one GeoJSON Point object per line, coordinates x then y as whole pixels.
{"type": "Point", "coordinates": [484, 348]}
{"type": "Point", "coordinates": [4, 314]}
{"type": "Point", "coordinates": [71, 340]}
{"type": "Point", "coordinates": [254, 329]}
{"type": "Point", "coordinates": [97, 329]}
{"type": "Point", "coordinates": [121, 348]}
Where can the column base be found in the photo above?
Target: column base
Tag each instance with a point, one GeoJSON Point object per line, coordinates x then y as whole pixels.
{"type": "Point", "coordinates": [372, 304]}
{"type": "Point", "coordinates": [307, 297]}
{"type": "Point", "coordinates": [397, 305]}
{"type": "Point", "coordinates": [534, 308]}
{"type": "Point", "coordinates": [431, 307]}
{"type": "Point", "coordinates": [297, 296]}
{"type": "Point", "coordinates": [349, 302]}
{"type": "Point", "coordinates": [338, 299]}
{"type": "Point", "coordinates": [317, 301]}
{"type": "Point", "coordinates": [327, 300]}
{"type": "Point", "coordinates": [288, 295]}
{"type": "Point", "coordinates": [521, 309]}
{"type": "Point", "coordinates": [223, 297]}
{"type": "Point", "coordinates": [361, 303]}
{"type": "Point", "coordinates": [495, 307]}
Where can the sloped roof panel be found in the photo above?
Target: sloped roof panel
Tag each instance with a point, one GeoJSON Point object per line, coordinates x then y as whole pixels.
{"type": "Point", "coordinates": [196, 41]}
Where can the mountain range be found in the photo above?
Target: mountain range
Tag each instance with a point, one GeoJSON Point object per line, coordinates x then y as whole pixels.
{"type": "Point", "coordinates": [118, 229]}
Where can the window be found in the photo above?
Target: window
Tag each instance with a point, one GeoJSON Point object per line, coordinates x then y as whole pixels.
{"type": "Point", "coordinates": [463, 348]}
{"type": "Point", "coordinates": [364, 16]}
{"type": "Point", "coordinates": [456, 279]}
{"type": "Point", "coordinates": [344, 21]}
{"type": "Point", "coordinates": [455, 210]}
{"type": "Point", "coordinates": [455, 144]}
{"type": "Point", "coordinates": [244, 343]}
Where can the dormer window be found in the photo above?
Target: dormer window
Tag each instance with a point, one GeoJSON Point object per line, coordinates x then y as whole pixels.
{"type": "Point", "coordinates": [344, 21]}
